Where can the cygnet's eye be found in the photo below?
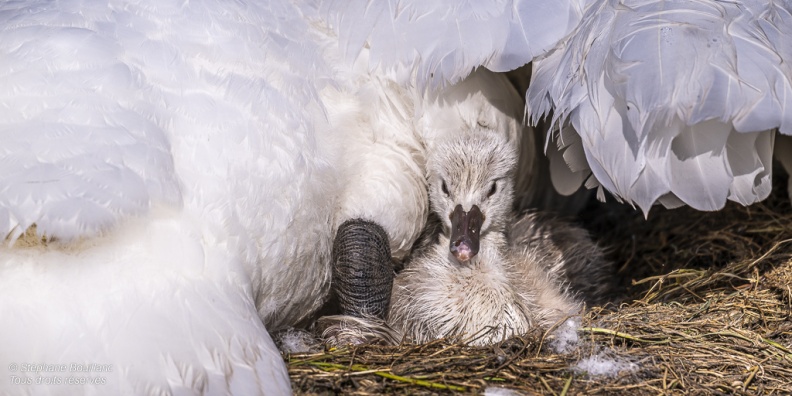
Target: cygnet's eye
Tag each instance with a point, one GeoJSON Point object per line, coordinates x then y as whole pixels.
{"type": "Point", "coordinates": [493, 190]}
{"type": "Point", "coordinates": [445, 188]}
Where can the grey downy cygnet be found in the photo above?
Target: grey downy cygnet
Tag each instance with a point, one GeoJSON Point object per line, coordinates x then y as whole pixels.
{"type": "Point", "coordinates": [485, 274]}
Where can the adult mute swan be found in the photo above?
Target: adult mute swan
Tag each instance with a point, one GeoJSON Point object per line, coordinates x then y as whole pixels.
{"type": "Point", "coordinates": [174, 174]}
{"type": "Point", "coordinates": [669, 101]}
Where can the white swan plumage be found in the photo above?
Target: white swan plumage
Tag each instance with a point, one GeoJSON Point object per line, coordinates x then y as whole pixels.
{"type": "Point", "coordinates": [173, 173]}
{"type": "Point", "coordinates": [673, 101]}
{"type": "Point", "coordinates": [444, 41]}
{"type": "Point", "coordinates": [667, 101]}
{"type": "Point", "coordinates": [133, 134]}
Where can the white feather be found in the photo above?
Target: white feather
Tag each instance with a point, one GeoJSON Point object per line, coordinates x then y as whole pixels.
{"type": "Point", "coordinates": [673, 98]}
{"type": "Point", "coordinates": [114, 112]}
{"type": "Point", "coordinates": [443, 41]}
{"type": "Point", "coordinates": [137, 302]}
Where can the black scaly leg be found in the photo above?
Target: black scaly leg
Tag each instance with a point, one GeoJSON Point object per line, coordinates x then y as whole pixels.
{"type": "Point", "coordinates": [362, 269]}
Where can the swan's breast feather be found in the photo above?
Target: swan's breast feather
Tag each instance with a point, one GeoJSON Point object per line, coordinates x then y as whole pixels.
{"type": "Point", "coordinates": [81, 149]}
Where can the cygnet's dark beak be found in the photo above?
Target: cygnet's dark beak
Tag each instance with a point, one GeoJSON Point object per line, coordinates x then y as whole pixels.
{"type": "Point", "coordinates": [465, 230]}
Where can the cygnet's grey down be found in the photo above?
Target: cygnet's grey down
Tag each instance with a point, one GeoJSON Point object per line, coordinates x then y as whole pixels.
{"type": "Point", "coordinates": [485, 274]}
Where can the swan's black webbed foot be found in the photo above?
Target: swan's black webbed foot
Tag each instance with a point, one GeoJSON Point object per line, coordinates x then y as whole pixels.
{"type": "Point", "coordinates": [362, 269]}
{"type": "Point", "coordinates": [362, 283]}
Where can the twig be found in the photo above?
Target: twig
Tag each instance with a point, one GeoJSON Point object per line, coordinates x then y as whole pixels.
{"type": "Point", "coordinates": [750, 378]}
{"type": "Point", "coordinates": [547, 386]}
{"type": "Point", "coordinates": [599, 330]}
{"type": "Point", "coordinates": [566, 385]}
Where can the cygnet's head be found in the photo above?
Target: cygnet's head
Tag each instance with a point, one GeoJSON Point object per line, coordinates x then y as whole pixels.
{"type": "Point", "coordinates": [470, 188]}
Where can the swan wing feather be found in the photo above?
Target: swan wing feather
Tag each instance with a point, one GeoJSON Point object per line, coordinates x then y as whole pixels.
{"type": "Point", "coordinates": [442, 41]}
{"type": "Point", "coordinates": [661, 91]}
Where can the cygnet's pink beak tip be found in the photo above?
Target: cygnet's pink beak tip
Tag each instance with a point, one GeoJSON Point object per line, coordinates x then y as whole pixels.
{"type": "Point", "coordinates": [462, 251]}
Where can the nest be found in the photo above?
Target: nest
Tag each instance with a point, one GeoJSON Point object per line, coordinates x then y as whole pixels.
{"type": "Point", "coordinates": [706, 310]}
